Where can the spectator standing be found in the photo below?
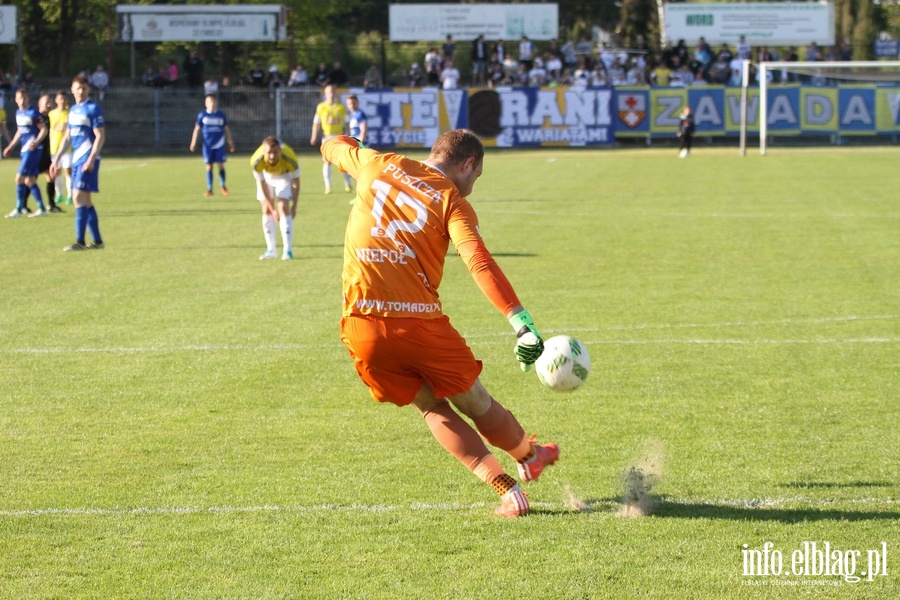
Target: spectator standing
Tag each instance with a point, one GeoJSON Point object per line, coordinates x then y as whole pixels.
{"type": "Point", "coordinates": [479, 61]}
{"type": "Point", "coordinates": [553, 65]}
{"type": "Point", "coordinates": [211, 128]}
{"type": "Point", "coordinates": [320, 77]}
{"type": "Point", "coordinates": [660, 74]}
{"type": "Point", "coordinates": [813, 53]}
{"type": "Point", "coordinates": [277, 173]}
{"type": "Point", "coordinates": [148, 79]}
{"type": "Point", "coordinates": [415, 75]}
{"type": "Point", "coordinates": [537, 76]}
{"type": "Point", "coordinates": [59, 123]}
{"type": "Point", "coordinates": [258, 77]}
{"type": "Point", "coordinates": [449, 76]}
{"type": "Point", "coordinates": [210, 86]}
{"type": "Point", "coordinates": [685, 132]}
{"type": "Point", "coordinates": [172, 73]}
{"type": "Point", "coordinates": [845, 52]}
{"type": "Point", "coordinates": [743, 48]}
{"type": "Point", "coordinates": [500, 49]}
{"type": "Point", "coordinates": [584, 50]}
{"type": "Point", "coordinates": [193, 70]}
{"type": "Point", "coordinates": [372, 78]}
{"type": "Point", "coordinates": [31, 131]}
{"type": "Point", "coordinates": [526, 52]}
{"type": "Point", "coordinates": [100, 82]}
{"type": "Point", "coordinates": [331, 117]}
{"type": "Point", "coordinates": [275, 79]}
{"type": "Point", "coordinates": [338, 77]}
{"type": "Point", "coordinates": [387, 344]}
{"type": "Point", "coordinates": [86, 134]}
{"type": "Point", "coordinates": [569, 56]}
{"type": "Point", "coordinates": [432, 67]}
{"type": "Point", "coordinates": [494, 71]}
{"type": "Point", "coordinates": [298, 77]}
{"type": "Point", "coordinates": [448, 51]}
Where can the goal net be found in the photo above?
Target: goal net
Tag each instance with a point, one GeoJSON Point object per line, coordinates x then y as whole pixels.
{"type": "Point", "coordinates": [806, 103]}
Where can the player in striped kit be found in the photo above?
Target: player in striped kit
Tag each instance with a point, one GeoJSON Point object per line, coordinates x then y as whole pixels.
{"type": "Point", "coordinates": [86, 135]}
{"type": "Point", "coordinates": [31, 133]}
{"type": "Point", "coordinates": [212, 127]}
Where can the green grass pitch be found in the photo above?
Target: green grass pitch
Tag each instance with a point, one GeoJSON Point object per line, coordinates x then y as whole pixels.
{"type": "Point", "coordinates": [179, 420]}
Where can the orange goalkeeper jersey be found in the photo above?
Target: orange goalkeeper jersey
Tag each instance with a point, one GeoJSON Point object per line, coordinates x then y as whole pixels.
{"type": "Point", "coordinates": [405, 216]}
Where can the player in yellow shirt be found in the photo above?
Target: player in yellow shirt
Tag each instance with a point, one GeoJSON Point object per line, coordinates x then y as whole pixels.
{"type": "Point", "coordinates": [4, 129]}
{"type": "Point", "coordinates": [331, 118]}
{"type": "Point", "coordinates": [59, 122]}
{"type": "Point", "coordinates": [277, 173]}
{"type": "Point", "coordinates": [406, 351]}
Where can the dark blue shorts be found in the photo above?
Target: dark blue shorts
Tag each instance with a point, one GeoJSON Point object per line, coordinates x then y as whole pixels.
{"type": "Point", "coordinates": [213, 155]}
{"type": "Point", "coordinates": [86, 181]}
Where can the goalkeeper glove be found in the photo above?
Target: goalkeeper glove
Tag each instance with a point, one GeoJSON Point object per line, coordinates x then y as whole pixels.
{"type": "Point", "coordinates": [529, 345]}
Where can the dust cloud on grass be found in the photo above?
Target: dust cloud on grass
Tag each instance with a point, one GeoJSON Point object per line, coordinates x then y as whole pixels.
{"type": "Point", "coordinates": [639, 480]}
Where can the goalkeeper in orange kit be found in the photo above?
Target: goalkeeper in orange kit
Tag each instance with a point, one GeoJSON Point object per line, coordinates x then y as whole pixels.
{"type": "Point", "coordinates": [405, 349]}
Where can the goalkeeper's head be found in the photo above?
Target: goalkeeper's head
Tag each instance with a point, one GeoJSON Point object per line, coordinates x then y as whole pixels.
{"type": "Point", "coordinates": [459, 154]}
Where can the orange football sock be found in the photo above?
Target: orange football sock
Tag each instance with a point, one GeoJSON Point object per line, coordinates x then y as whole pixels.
{"type": "Point", "coordinates": [501, 429]}
{"type": "Point", "coordinates": [463, 442]}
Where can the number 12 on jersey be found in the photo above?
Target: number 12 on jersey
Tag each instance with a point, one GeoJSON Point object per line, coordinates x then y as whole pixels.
{"type": "Point", "coordinates": [383, 196]}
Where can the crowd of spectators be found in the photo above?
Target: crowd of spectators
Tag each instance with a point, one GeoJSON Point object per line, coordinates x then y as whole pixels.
{"type": "Point", "coordinates": [579, 63]}
{"type": "Point", "coordinates": [498, 63]}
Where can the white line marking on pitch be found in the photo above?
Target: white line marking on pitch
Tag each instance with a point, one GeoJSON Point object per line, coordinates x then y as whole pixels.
{"type": "Point", "coordinates": [761, 504]}
{"type": "Point", "coordinates": [502, 335]}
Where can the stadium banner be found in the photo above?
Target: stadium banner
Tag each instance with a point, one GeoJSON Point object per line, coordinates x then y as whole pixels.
{"type": "Point", "coordinates": [510, 117]}
{"type": "Point", "coordinates": [761, 23]}
{"type": "Point", "coordinates": [794, 109]}
{"type": "Point", "coordinates": [518, 117]}
{"type": "Point", "coordinates": [406, 117]}
{"type": "Point", "coordinates": [887, 110]}
{"type": "Point", "coordinates": [206, 23]}
{"type": "Point", "coordinates": [434, 22]}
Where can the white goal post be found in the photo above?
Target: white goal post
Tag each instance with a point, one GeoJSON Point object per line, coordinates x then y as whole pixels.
{"type": "Point", "coordinates": [847, 70]}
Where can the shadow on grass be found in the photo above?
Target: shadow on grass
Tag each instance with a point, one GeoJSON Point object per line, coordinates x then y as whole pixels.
{"type": "Point", "coordinates": [669, 509]}
{"type": "Point", "coordinates": [664, 508]}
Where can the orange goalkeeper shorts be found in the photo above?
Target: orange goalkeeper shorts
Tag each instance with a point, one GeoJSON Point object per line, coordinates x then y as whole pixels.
{"type": "Point", "coordinates": [395, 356]}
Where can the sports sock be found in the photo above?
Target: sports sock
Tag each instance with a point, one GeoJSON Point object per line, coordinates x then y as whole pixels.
{"type": "Point", "coordinates": [51, 193]}
{"type": "Point", "coordinates": [58, 186]}
{"type": "Point", "coordinates": [463, 442]}
{"type": "Point", "coordinates": [81, 216]}
{"type": "Point", "coordinates": [221, 177]}
{"type": "Point", "coordinates": [21, 196]}
{"type": "Point", "coordinates": [268, 225]}
{"type": "Point", "coordinates": [287, 232]}
{"type": "Point", "coordinates": [209, 180]}
{"type": "Point", "coordinates": [93, 224]}
{"type": "Point", "coordinates": [346, 180]}
{"type": "Point", "coordinates": [501, 429]}
{"type": "Point", "coordinates": [326, 174]}
{"type": "Point", "coordinates": [68, 186]}
{"type": "Point", "coordinates": [502, 484]}
{"type": "Point", "coordinates": [36, 193]}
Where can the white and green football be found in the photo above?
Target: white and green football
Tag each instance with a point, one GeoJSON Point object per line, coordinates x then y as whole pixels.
{"type": "Point", "coordinates": [564, 365]}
